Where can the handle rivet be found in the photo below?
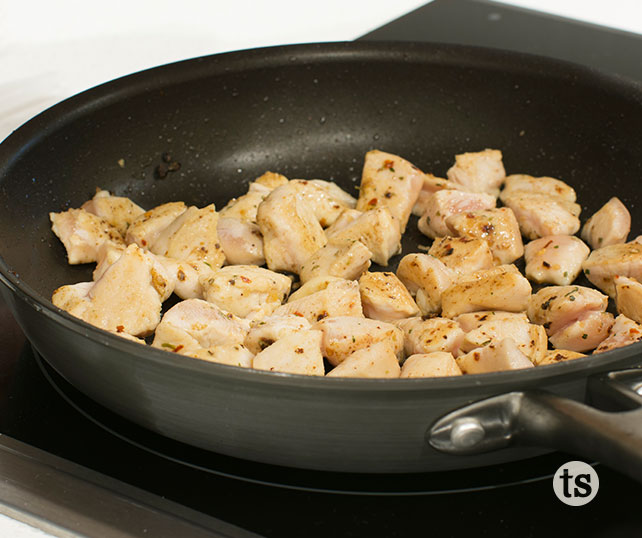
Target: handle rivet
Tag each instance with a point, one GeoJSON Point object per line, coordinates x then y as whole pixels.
{"type": "Point", "coordinates": [466, 432]}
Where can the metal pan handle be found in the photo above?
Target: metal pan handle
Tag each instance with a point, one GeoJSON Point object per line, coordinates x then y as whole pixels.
{"type": "Point", "coordinates": [537, 418]}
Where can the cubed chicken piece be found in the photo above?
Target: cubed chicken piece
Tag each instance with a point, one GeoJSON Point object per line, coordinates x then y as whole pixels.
{"type": "Point", "coordinates": [473, 320]}
{"type": "Point", "coordinates": [434, 334]}
{"type": "Point", "coordinates": [500, 288]}
{"type": "Point", "coordinates": [462, 254]}
{"type": "Point", "coordinates": [525, 184]}
{"type": "Point", "coordinates": [230, 354]}
{"type": "Point", "coordinates": [335, 193]}
{"type": "Point", "coordinates": [312, 286]}
{"type": "Point", "coordinates": [349, 261]}
{"type": "Point", "coordinates": [623, 332]}
{"type": "Point", "coordinates": [628, 297]}
{"type": "Point", "coordinates": [129, 337]}
{"type": "Point", "coordinates": [265, 332]}
{"type": "Point", "coordinates": [481, 171]}
{"type": "Point", "coordinates": [340, 298]}
{"type": "Point", "coordinates": [320, 197]}
{"type": "Point", "coordinates": [296, 353]}
{"type": "Point", "coordinates": [343, 335]}
{"type": "Point", "coordinates": [246, 291]}
{"type": "Point", "coordinates": [495, 357]}
{"type": "Point", "coordinates": [498, 227]}
{"type": "Point", "coordinates": [605, 263]}
{"type": "Point", "coordinates": [555, 307]}
{"type": "Point", "coordinates": [290, 228]}
{"type": "Point", "coordinates": [540, 215]}
{"type": "Point", "coordinates": [186, 276]}
{"type": "Point", "coordinates": [241, 241]}
{"type": "Point", "coordinates": [431, 185]}
{"type": "Point", "coordinates": [82, 233]}
{"type": "Point", "coordinates": [106, 256]}
{"type": "Point", "coordinates": [146, 227]}
{"type": "Point", "coordinates": [245, 208]}
{"type": "Point", "coordinates": [427, 278]}
{"type": "Point", "coordinates": [609, 226]}
{"type": "Point", "coordinates": [375, 361]}
{"type": "Point", "coordinates": [446, 203]}
{"type": "Point", "coordinates": [436, 364]}
{"type": "Point", "coordinates": [556, 356]}
{"type": "Point", "coordinates": [390, 181]}
{"type": "Point", "coordinates": [118, 211]}
{"type": "Point", "coordinates": [347, 217]}
{"type": "Point", "coordinates": [585, 333]}
{"type": "Point", "coordinates": [73, 298]}
{"type": "Point", "coordinates": [385, 298]}
{"type": "Point", "coordinates": [269, 181]}
{"type": "Point", "coordinates": [555, 259]}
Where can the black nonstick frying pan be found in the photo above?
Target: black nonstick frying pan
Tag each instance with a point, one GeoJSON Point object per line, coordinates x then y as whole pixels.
{"type": "Point", "coordinates": [312, 111]}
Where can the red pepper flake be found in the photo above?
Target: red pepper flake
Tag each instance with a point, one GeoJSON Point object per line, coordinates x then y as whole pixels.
{"type": "Point", "coordinates": [389, 164]}
{"type": "Point", "coordinates": [143, 242]}
{"type": "Point", "coordinates": [297, 313]}
{"type": "Point", "coordinates": [178, 348]}
{"type": "Point", "coordinates": [245, 279]}
{"type": "Point", "coordinates": [120, 328]}
{"type": "Point", "coordinates": [299, 350]}
{"type": "Point", "coordinates": [373, 202]}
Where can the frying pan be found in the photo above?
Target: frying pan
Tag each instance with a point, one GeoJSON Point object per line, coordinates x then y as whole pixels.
{"type": "Point", "coordinates": [312, 111]}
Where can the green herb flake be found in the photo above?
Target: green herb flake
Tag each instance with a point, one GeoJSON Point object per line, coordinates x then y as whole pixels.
{"type": "Point", "coordinates": [168, 345]}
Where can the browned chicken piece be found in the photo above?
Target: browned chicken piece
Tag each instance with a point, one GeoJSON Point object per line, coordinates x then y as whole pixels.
{"type": "Point", "coordinates": [265, 332]}
{"type": "Point", "coordinates": [436, 364]}
{"type": "Point", "coordinates": [106, 256]}
{"type": "Point", "coordinates": [296, 353]}
{"type": "Point", "coordinates": [241, 241]}
{"type": "Point", "coordinates": [624, 332]}
{"type": "Point", "coordinates": [609, 226]}
{"type": "Point", "coordinates": [498, 227]}
{"type": "Point", "coordinates": [245, 207]}
{"type": "Point", "coordinates": [348, 261]}
{"type": "Point", "coordinates": [556, 356]}
{"type": "Point", "coordinates": [326, 202]}
{"type": "Point", "coordinates": [385, 298]}
{"type": "Point", "coordinates": [269, 180]}
{"type": "Point", "coordinates": [434, 334]}
{"type": "Point", "coordinates": [347, 217]}
{"type": "Point", "coordinates": [426, 277]}
{"type": "Point", "coordinates": [186, 276]}
{"type": "Point", "coordinates": [628, 297]}
{"type": "Point", "coordinates": [585, 333]}
{"type": "Point", "coordinates": [340, 298]}
{"type": "Point", "coordinates": [230, 354]}
{"type": "Point", "coordinates": [375, 361]}
{"type": "Point", "coordinates": [500, 288]}
{"type": "Point", "coordinates": [462, 254]}
{"type": "Point", "coordinates": [130, 337]}
{"type": "Point", "coordinates": [390, 181]}
{"type": "Point", "coordinates": [290, 228]}
{"type": "Point", "coordinates": [495, 357]}
{"type": "Point", "coordinates": [431, 185]}
{"type": "Point", "coordinates": [314, 285]}
{"type": "Point", "coordinates": [336, 193]}
{"type": "Point", "coordinates": [446, 203]}
{"type": "Point", "coordinates": [118, 211]}
{"type": "Point", "coordinates": [376, 229]}
{"type": "Point", "coordinates": [82, 233]}
{"type": "Point", "coordinates": [343, 335]}
{"type": "Point", "coordinates": [73, 298]}
{"type": "Point", "coordinates": [246, 291]}
{"type": "Point", "coordinates": [555, 307]}
{"type": "Point", "coordinates": [540, 215]}
{"type": "Point", "coordinates": [555, 259]}
{"type": "Point", "coordinates": [525, 184]}
{"type": "Point", "coordinates": [146, 227]}
{"type": "Point", "coordinates": [473, 320]}
{"type": "Point", "coordinates": [604, 263]}
{"type": "Point", "coordinates": [482, 171]}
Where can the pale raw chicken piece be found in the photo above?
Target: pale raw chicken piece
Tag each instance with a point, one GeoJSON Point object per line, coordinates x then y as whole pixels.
{"type": "Point", "coordinates": [498, 227]}
{"type": "Point", "coordinates": [197, 323]}
{"type": "Point", "coordinates": [347, 261]}
{"type": "Point", "coordinates": [291, 231]}
{"type": "Point", "coordinates": [82, 233]}
{"type": "Point", "coordinates": [241, 241]}
{"type": "Point", "coordinates": [427, 278]}
{"type": "Point", "coordinates": [244, 208]}
{"type": "Point", "coordinates": [434, 334]}
{"type": "Point", "coordinates": [481, 171]}
{"type": "Point", "coordinates": [531, 339]}
{"type": "Point", "coordinates": [106, 256]}
{"type": "Point", "coordinates": [462, 254]}
{"type": "Point", "coordinates": [608, 226]}
{"type": "Point", "coordinates": [390, 181]}
{"type": "Point", "coordinates": [347, 217]}
{"type": "Point", "coordinates": [556, 356]}
{"type": "Point", "coordinates": [268, 330]}
{"type": "Point", "coordinates": [118, 211]}
{"type": "Point", "coordinates": [628, 297]}
{"type": "Point", "coordinates": [192, 237]}
{"type": "Point", "coordinates": [230, 354]}
{"type": "Point", "coordinates": [555, 259]}
{"type": "Point", "coordinates": [385, 298]}
{"type": "Point", "coordinates": [500, 288]}
{"type": "Point", "coordinates": [473, 320]}
{"type": "Point", "coordinates": [495, 357]}
{"type": "Point", "coordinates": [343, 335]}
{"type": "Point", "coordinates": [585, 333]}
{"type": "Point", "coordinates": [436, 364]}
{"type": "Point", "coordinates": [605, 263]}
{"type": "Point", "coordinates": [540, 215]}
{"type": "Point", "coordinates": [446, 203]}
{"type": "Point", "coordinates": [375, 361]}
{"type": "Point", "coordinates": [319, 197]}
{"type": "Point", "coordinates": [555, 307]}
{"type": "Point", "coordinates": [312, 286]}
{"type": "Point", "coordinates": [246, 291]}
{"type": "Point", "coordinates": [431, 185]}
{"type": "Point", "coordinates": [295, 353]}
{"type": "Point", "coordinates": [623, 332]}
{"type": "Point", "coordinates": [376, 229]}
{"type": "Point", "coordinates": [340, 298]}
{"type": "Point", "coordinates": [525, 184]}
{"type": "Point", "coordinates": [146, 227]}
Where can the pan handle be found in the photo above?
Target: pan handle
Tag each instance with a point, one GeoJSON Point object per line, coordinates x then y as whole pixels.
{"type": "Point", "coordinates": [537, 418]}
